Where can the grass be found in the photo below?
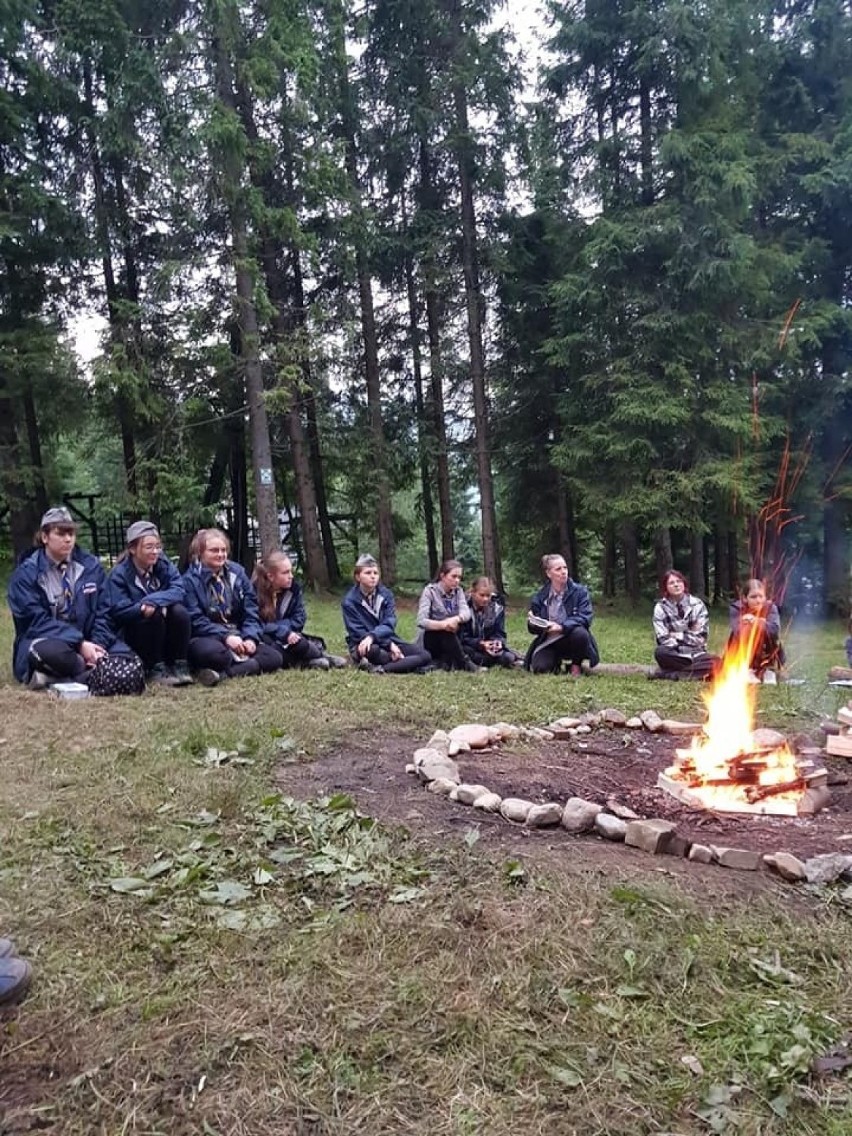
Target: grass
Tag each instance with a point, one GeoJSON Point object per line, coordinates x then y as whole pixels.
{"type": "Point", "coordinates": [211, 958]}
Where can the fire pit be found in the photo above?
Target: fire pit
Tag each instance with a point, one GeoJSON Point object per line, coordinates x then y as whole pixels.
{"type": "Point", "coordinates": [733, 768]}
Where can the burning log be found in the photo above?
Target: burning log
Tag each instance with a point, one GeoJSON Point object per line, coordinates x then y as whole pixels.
{"type": "Point", "coordinates": [756, 793]}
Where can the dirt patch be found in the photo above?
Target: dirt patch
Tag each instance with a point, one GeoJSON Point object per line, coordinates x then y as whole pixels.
{"type": "Point", "coordinates": [612, 763]}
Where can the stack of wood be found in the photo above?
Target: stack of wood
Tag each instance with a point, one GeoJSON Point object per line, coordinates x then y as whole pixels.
{"type": "Point", "coordinates": [840, 744]}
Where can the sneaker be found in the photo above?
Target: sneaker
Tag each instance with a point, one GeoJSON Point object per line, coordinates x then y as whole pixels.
{"type": "Point", "coordinates": [7, 947]}
{"type": "Point", "coordinates": [770, 678]}
{"type": "Point", "coordinates": [181, 675]}
{"type": "Point", "coordinates": [320, 664]}
{"type": "Point", "coordinates": [207, 676]}
{"type": "Point", "coordinates": [337, 661]}
{"type": "Point", "coordinates": [15, 975]}
{"type": "Point", "coordinates": [39, 681]}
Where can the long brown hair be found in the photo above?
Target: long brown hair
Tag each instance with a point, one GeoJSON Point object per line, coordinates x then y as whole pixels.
{"type": "Point", "coordinates": [266, 593]}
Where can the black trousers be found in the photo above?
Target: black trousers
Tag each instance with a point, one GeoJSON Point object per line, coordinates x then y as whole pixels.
{"type": "Point", "coordinates": [208, 651]}
{"type": "Point", "coordinates": [701, 665]}
{"type": "Point", "coordinates": [572, 647]}
{"type": "Point", "coordinates": [413, 658]}
{"type": "Point", "coordinates": [57, 659]}
{"type": "Point", "coordinates": [161, 638]}
{"type": "Point", "coordinates": [297, 654]}
{"type": "Point", "coordinates": [446, 650]}
{"type": "Point", "coordinates": [506, 658]}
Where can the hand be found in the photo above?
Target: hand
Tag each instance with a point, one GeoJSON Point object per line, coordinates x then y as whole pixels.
{"type": "Point", "coordinates": [293, 637]}
{"type": "Point", "coordinates": [365, 645]}
{"type": "Point", "coordinates": [147, 610]}
{"type": "Point", "coordinates": [451, 623]}
{"type": "Point", "coordinates": [395, 652]}
{"type": "Point", "coordinates": [91, 652]}
{"type": "Point", "coordinates": [249, 647]}
{"type": "Point", "coordinates": [554, 628]}
{"type": "Point", "coordinates": [236, 644]}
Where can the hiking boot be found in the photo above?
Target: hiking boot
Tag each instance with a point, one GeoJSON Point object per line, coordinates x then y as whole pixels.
{"type": "Point", "coordinates": [320, 664]}
{"type": "Point", "coordinates": [39, 681]}
{"type": "Point", "coordinates": [15, 975]}
{"type": "Point", "coordinates": [159, 675]}
{"type": "Point", "coordinates": [207, 676]}
{"type": "Point", "coordinates": [180, 674]}
{"type": "Point", "coordinates": [752, 678]}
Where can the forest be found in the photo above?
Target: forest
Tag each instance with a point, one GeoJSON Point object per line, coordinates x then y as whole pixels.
{"type": "Point", "coordinates": [437, 279]}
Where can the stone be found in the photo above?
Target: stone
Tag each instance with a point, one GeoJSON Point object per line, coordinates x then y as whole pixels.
{"type": "Point", "coordinates": [579, 815]}
{"type": "Point", "coordinates": [557, 733]}
{"type": "Point", "coordinates": [814, 798]}
{"type": "Point", "coordinates": [701, 854]}
{"type": "Point", "coordinates": [467, 794]}
{"type": "Point", "coordinates": [488, 802]}
{"type": "Point", "coordinates": [590, 719]}
{"type": "Point", "coordinates": [764, 738]}
{"type": "Point", "coordinates": [621, 811]}
{"type": "Point", "coordinates": [788, 866]}
{"type": "Point", "coordinates": [827, 868]}
{"type": "Point", "coordinates": [433, 766]}
{"type": "Point", "coordinates": [440, 742]}
{"type": "Point", "coordinates": [567, 723]}
{"type": "Point", "coordinates": [613, 717]}
{"type": "Point", "coordinates": [652, 721]}
{"type": "Point", "coordinates": [456, 747]}
{"type": "Point", "coordinates": [649, 835]}
{"type": "Point", "coordinates": [473, 735]}
{"type": "Point", "coordinates": [634, 723]}
{"type": "Point", "coordinates": [441, 787]}
{"type": "Point", "coordinates": [742, 858]}
{"type": "Point", "coordinates": [677, 845]}
{"type": "Point", "coordinates": [515, 809]}
{"type": "Point", "coordinates": [411, 768]}
{"type": "Point", "coordinates": [610, 827]}
{"type": "Point", "coordinates": [504, 730]}
{"type": "Point", "coordinates": [585, 729]}
{"type": "Point", "coordinates": [670, 726]}
{"type": "Point", "coordinates": [544, 816]}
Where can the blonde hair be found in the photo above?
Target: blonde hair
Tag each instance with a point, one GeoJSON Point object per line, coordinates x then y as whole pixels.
{"type": "Point", "coordinates": [263, 585]}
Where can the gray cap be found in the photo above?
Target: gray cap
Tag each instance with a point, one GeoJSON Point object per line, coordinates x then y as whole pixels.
{"type": "Point", "coordinates": [366, 560]}
{"type": "Point", "coordinates": [58, 515]}
{"type": "Point", "coordinates": [141, 528]}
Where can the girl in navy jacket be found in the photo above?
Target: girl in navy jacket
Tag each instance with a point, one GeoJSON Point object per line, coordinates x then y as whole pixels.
{"type": "Point", "coordinates": [560, 617]}
{"type": "Point", "coordinates": [147, 602]}
{"type": "Point", "coordinates": [283, 615]}
{"type": "Point", "coordinates": [369, 615]}
{"type": "Point", "coordinates": [227, 637]}
{"type": "Point", "coordinates": [483, 637]}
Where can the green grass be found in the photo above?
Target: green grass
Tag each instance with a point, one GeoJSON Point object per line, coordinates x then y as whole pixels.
{"type": "Point", "coordinates": [211, 958]}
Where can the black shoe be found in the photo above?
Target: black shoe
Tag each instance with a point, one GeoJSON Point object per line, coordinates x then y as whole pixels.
{"type": "Point", "coordinates": [39, 681]}
{"type": "Point", "coordinates": [320, 664]}
{"type": "Point", "coordinates": [337, 661]}
{"type": "Point", "coordinates": [181, 675]}
{"type": "Point", "coordinates": [207, 676]}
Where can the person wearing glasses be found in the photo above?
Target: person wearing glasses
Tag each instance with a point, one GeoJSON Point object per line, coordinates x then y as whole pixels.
{"type": "Point", "coordinates": [147, 602]}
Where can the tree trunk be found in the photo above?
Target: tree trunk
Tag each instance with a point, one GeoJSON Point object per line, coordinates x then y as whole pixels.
{"type": "Point", "coordinates": [231, 174]}
{"type": "Point", "coordinates": [632, 577]}
{"type": "Point", "coordinates": [475, 305]}
{"type": "Point", "coordinates": [23, 517]}
{"type": "Point", "coordinates": [435, 416]}
{"type": "Point", "coordinates": [609, 561]}
{"type": "Point", "coordinates": [719, 562]}
{"type": "Point", "coordinates": [422, 428]}
{"type": "Point", "coordinates": [697, 578]}
{"type": "Point", "coordinates": [732, 574]}
{"type": "Point", "coordinates": [39, 492]}
{"type": "Point", "coordinates": [663, 560]}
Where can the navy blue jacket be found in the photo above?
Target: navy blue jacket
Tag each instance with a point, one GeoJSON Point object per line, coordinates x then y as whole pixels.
{"type": "Point", "coordinates": [126, 594]}
{"type": "Point", "coordinates": [244, 619]}
{"type": "Point", "coordinates": [360, 620]}
{"type": "Point", "coordinates": [294, 619]}
{"type": "Point", "coordinates": [34, 615]}
{"type": "Point", "coordinates": [484, 625]}
{"type": "Point", "coordinates": [577, 611]}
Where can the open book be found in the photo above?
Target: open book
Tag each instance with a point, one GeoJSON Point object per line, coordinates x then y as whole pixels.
{"type": "Point", "coordinates": [536, 622]}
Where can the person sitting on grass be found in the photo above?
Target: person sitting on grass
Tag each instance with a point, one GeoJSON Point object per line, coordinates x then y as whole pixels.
{"type": "Point", "coordinates": [227, 638]}
{"type": "Point", "coordinates": [483, 637]}
{"type": "Point", "coordinates": [681, 627]}
{"type": "Point", "coordinates": [560, 617]}
{"type": "Point", "coordinates": [58, 599]}
{"type": "Point", "coordinates": [369, 616]}
{"type": "Point", "coordinates": [441, 613]}
{"type": "Point", "coordinates": [755, 620]}
{"type": "Point", "coordinates": [283, 616]}
{"type": "Point", "coordinates": [147, 602]}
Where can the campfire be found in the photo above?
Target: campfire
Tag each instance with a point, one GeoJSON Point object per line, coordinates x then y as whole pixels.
{"type": "Point", "coordinates": [733, 768]}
